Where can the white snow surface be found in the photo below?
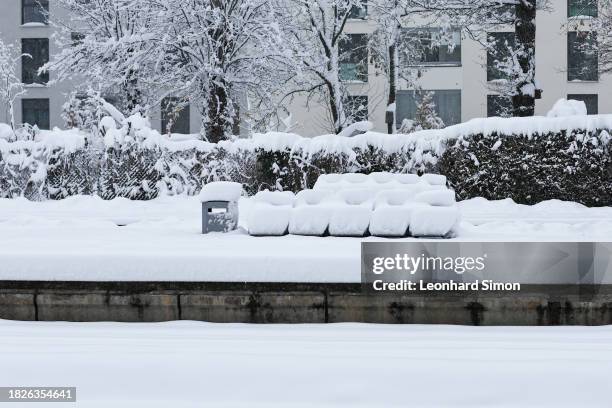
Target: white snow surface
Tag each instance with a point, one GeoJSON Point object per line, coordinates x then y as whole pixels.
{"type": "Point", "coordinates": [564, 107]}
{"type": "Point", "coordinates": [193, 364]}
{"type": "Point", "coordinates": [221, 191]}
{"type": "Point", "coordinates": [80, 238]}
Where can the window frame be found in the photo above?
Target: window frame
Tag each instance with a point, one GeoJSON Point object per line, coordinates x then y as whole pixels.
{"type": "Point", "coordinates": [458, 92]}
{"type": "Point", "coordinates": [577, 16]}
{"type": "Point", "coordinates": [431, 30]}
{"type": "Point", "coordinates": [352, 15]}
{"type": "Point", "coordinates": [580, 97]}
{"type": "Point", "coordinates": [490, 57]}
{"type": "Point", "coordinates": [361, 67]}
{"type": "Point", "coordinates": [185, 111]}
{"type": "Point", "coordinates": [26, 61]}
{"type": "Point", "coordinates": [581, 58]}
{"type": "Point", "coordinates": [48, 111]}
{"type": "Point", "coordinates": [40, 3]}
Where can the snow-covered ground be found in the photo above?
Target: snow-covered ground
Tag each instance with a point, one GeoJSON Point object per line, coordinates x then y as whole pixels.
{"type": "Point", "coordinates": [87, 238]}
{"type": "Point", "coordinates": [189, 364]}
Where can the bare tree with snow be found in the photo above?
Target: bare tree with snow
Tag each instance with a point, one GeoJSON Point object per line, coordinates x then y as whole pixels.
{"type": "Point", "coordinates": [222, 55]}
{"type": "Point", "coordinates": [316, 44]}
{"type": "Point", "coordinates": [11, 86]}
{"type": "Point", "coordinates": [106, 42]}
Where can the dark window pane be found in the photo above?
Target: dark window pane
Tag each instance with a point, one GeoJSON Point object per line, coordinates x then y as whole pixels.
{"type": "Point", "coordinates": [76, 38]}
{"type": "Point", "coordinates": [499, 105]}
{"type": "Point", "coordinates": [587, 8]}
{"type": "Point", "coordinates": [435, 47]}
{"type": "Point", "coordinates": [357, 107]}
{"type": "Point", "coordinates": [175, 116]}
{"type": "Point", "coordinates": [36, 54]}
{"type": "Point", "coordinates": [590, 100]}
{"type": "Point", "coordinates": [34, 11]}
{"type": "Point", "coordinates": [582, 58]}
{"type": "Point", "coordinates": [448, 105]}
{"type": "Point", "coordinates": [359, 12]}
{"type": "Point", "coordinates": [35, 112]}
{"type": "Point", "coordinates": [354, 58]}
{"type": "Point", "coordinates": [500, 47]}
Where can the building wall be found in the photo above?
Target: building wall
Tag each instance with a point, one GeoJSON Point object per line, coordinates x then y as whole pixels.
{"type": "Point", "coordinates": [311, 118]}
{"type": "Point", "coordinates": [471, 77]}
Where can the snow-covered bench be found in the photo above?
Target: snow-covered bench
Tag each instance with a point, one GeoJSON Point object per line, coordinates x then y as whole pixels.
{"type": "Point", "coordinates": [270, 213]}
{"type": "Point", "coordinates": [381, 204]}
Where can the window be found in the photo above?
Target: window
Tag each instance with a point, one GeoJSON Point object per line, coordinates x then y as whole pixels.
{"type": "Point", "coordinates": [34, 11]}
{"type": "Point", "coordinates": [582, 8]}
{"type": "Point", "coordinates": [590, 100]}
{"type": "Point", "coordinates": [500, 47]}
{"type": "Point", "coordinates": [439, 48]}
{"type": "Point", "coordinates": [35, 112]}
{"type": "Point", "coordinates": [448, 105]}
{"type": "Point", "coordinates": [76, 38]}
{"type": "Point", "coordinates": [357, 106]}
{"type": "Point", "coordinates": [354, 58]}
{"type": "Point", "coordinates": [359, 12]}
{"type": "Point", "coordinates": [175, 116]}
{"type": "Point", "coordinates": [582, 59]}
{"type": "Point", "coordinates": [36, 54]}
{"type": "Point", "coordinates": [499, 105]}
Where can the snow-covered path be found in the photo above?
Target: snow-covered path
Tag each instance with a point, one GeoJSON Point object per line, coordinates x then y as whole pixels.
{"type": "Point", "coordinates": [87, 238]}
{"type": "Point", "coordinates": [189, 364]}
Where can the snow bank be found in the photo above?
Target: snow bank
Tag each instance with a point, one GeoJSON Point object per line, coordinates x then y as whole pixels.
{"type": "Point", "coordinates": [564, 107]}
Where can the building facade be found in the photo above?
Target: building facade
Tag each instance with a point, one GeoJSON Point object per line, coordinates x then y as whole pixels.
{"type": "Point", "coordinates": [459, 77]}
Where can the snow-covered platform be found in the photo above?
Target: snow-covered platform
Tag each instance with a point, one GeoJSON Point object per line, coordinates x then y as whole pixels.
{"type": "Point", "coordinates": [86, 259]}
{"type": "Point", "coordinates": [85, 238]}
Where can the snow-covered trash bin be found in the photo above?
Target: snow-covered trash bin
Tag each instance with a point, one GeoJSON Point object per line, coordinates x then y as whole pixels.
{"type": "Point", "coordinates": [270, 213]}
{"type": "Point", "coordinates": [220, 206]}
{"type": "Point", "coordinates": [350, 216]}
{"type": "Point", "coordinates": [311, 213]}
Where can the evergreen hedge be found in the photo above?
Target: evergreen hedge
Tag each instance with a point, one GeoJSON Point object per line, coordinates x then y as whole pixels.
{"type": "Point", "coordinates": [574, 165]}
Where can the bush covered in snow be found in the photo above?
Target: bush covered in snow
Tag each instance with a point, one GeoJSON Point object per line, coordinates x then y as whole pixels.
{"type": "Point", "coordinates": [575, 166]}
{"type": "Point", "coordinates": [526, 159]}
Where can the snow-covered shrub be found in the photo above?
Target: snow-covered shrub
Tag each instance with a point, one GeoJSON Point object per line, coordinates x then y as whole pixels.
{"type": "Point", "coordinates": [526, 159]}
{"type": "Point", "coordinates": [72, 173]}
{"type": "Point", "coordinates": [130, 171]}
{"type": "Point", "coordinates": [48, 166]}
{"type": "Point", "coordinates": [573, 165]}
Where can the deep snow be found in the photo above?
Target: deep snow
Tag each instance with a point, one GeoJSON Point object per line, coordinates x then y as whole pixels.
{"type": "Point", "coordinates": [87, 238]}
{"type": "Point", "coordinates": [192, 364]}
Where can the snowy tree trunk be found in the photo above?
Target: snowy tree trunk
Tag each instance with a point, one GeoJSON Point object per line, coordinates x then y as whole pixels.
{"type": "Point", "coordinates": [218, 120]}
{"type": "Point", "coordinates": [11, 104]}
{"type": "Point", "coordinates": [524, 100]}
{"type": "Point", "coordinates": [392, 83]}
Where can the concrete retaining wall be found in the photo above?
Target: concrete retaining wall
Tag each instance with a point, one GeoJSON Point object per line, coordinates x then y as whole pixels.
{"type": "Point", "coordinates": [298, 303]}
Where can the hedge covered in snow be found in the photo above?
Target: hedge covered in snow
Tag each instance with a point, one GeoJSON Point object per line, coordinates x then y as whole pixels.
{"type": "Point", "coordinates": [526, 159]}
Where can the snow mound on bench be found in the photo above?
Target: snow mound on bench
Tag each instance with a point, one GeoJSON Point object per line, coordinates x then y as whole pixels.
{"type": "Point", "coordinates": [430, 221]}
{"type": "Point", "coordinates": [564, 107]}
{"type": "Point", "coordinates": [221, 191]}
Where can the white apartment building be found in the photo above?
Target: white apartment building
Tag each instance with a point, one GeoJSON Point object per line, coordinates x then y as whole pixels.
{"type": "Point", "coordinates": [458, 78]}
